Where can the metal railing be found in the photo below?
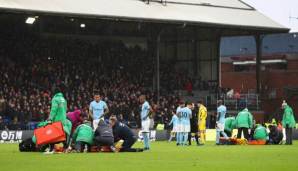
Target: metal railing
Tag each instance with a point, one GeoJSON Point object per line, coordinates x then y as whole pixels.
{"type": "Point", "coordinates": [250, 101]}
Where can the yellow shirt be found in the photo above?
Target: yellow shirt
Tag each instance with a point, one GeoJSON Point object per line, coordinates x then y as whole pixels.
{"type": "Point", "coordinates": [202, 116]}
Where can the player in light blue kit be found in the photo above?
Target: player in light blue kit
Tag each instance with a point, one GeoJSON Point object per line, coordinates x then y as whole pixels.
{"type": "Point", "coordinates": [184, 115]}
{"type": "Point", "coordinates": [179, 135]}
{"type": "Point", "coordinates": [145, 121]}
{"type": "Point", "coordinates": [174, 122]}
{"type": "Point", "coordinates": [220, 121]}
{"type": "Point", "coordinates": [97, 109]}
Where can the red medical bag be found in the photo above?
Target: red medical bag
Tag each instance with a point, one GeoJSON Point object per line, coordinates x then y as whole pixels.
{"type": "Point", "coordinates": [51, 133]}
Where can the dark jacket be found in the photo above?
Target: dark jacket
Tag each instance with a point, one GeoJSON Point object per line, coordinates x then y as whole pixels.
{"type": "Point", "coordinates": [103, 130]}
{"type": "Point", "coordinates": [122, 132]}
{"type": "Point", "coordinates": [275, 135]}
{"type": "Point", "coordinates": [194, 121]}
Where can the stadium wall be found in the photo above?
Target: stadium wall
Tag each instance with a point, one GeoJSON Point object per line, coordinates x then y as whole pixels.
{"type": "Point", "coordinates": [271, 80]}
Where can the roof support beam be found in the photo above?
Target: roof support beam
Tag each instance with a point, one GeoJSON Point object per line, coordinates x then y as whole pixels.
{"type": "Point", "coordinates": [259, 42]}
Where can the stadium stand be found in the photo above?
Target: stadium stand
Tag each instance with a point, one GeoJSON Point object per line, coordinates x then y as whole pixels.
{"type": "Point", "coordinates": [32, 66]}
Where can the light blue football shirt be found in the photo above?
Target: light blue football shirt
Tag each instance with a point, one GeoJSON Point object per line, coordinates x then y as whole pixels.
{"type": "Point", "coordinates": [174, 120]}
{"type": "Point", "coordinates": [185, 115]}
{"type": "Point", "coordinates": [221, 113]}
{"type": "Point", "coordinates": [145, 110]}
{"type": "Point", "coordinates": [97, 108]}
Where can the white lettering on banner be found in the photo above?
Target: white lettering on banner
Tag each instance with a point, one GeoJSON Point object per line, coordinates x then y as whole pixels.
{"type": "Point", "coordinates": [11, 135]}
{"type": "Point", "coordinates": [19, 135]}
{"type": "Point", "coordinates": [4, 135]}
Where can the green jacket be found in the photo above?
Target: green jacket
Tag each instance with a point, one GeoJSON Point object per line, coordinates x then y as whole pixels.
{"type": "Point", "coordinates": [260, 133]}
{"type": "Point", "coordinates": [58, 109]}
{"type": "Point", "coordinates": [83, 133]}
{"type": "Point", "coordinates": [67, 127]}
{"type": "Point", "coordinates": [288, 117]}
{"type": "Point", "coordinates": [230, 124]}
{"type": "Point", "coordinates": [244, 119]}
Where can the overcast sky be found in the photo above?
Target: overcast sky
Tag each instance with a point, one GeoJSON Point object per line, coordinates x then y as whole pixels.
{"type": "Point", "coordinates": [279, 11]}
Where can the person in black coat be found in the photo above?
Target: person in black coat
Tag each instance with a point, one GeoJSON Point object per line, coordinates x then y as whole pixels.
{"type": "Point", "coordinates": [275, 135]}
{"type": "Point", "coordinates": [123, 132]}
{"type": "Point", "coordinates": [194, 126]}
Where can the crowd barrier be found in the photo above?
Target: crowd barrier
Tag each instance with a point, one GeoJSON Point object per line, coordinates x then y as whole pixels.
{"type": "Point", "coordinates": [15, 136]}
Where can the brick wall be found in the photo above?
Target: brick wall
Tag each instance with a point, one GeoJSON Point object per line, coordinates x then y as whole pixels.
{"type": "Point", "coordinates": [271, 79]}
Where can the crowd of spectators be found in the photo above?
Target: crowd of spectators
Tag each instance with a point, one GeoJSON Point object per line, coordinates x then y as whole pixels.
{"type": "Point", "coordinates": [32, 66]}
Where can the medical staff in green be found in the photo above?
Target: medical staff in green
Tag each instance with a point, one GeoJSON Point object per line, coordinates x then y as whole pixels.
{"type": "Point", "coordinates": [230, 124]}
{"type": "Point", "coordinates": [260, 133]}
{"type": "Point", "coordinates": [58, 111]}
{"type": "Point", "coordinates": [288, 122]}
{"type": "Point", "coordinates": [83, 136]}
{"type": "Point", "coordinates": [58, 107]}
{"type": "Point", "coordinates": [58, 114]}
{"type": "Point", "coordinates": [244, 122]}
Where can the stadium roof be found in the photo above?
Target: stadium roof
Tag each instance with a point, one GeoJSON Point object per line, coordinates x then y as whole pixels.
{"type": "Point", "coordinates": [227, 13]}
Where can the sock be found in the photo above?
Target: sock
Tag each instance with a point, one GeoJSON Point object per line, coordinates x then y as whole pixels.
{"type": "Point", "coordinates": [176, 135]}
{"type": "Point", "coordinates": [217, 136]}
{"type": "Point", "coordinates": [224, 134]}
{"type": "Point", "coordinates": [185, 138]}
{"type": "Point", "coordinates": [170, 139]}
{"type": "Point", "coordinates": [203, 137]}
{"type": "Point", "coordinates": [189, 138]}
{"type": "Point", "coordinates": [172, 135]}
{"type": "Point", "coordinates": [181, 138]}
{"type": "Point", "coordinates": [197, 138]}
{"type": "Point", "coordinates": [146, 139]}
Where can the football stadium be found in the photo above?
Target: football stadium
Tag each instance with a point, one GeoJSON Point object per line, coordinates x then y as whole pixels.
{"type": "Point", "coordinates": [147, 85]}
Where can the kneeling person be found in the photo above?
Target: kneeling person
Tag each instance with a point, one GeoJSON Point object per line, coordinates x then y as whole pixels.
{"type": "Point", "coordinates": [260, 136]}
{"type": "Point", "coordinates": [83, 136]}
{"type": "Point", "coordinates": [275, 135]}
{"type": "Point", "coordinates": [122, 132]}
{"type": "Point", "coordinates": [103, 135]}
{"type": "Point", "coordinates": [229, 126]}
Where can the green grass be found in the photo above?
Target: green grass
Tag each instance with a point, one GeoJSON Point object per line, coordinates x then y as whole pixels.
{"type": "Point", "coordinates": [163, 156]}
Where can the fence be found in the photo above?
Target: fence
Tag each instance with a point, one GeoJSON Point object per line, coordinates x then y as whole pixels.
{"type": "Point", "coordinates": [250, 101]}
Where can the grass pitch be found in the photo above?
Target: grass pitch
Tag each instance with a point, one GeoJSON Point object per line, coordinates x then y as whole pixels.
{"type": "Point", "coordinates": [163, 156]}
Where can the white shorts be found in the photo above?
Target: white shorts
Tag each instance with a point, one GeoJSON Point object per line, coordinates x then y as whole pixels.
{"type": "Point", "coordinates": [95, 123]}
{"type": "Point", "coordinates": [183, 128]}
{"type": "Point", "coordinates": [220, 127]}
{"type": "Point", "coordinates": [175, 128]}
{"type": "Point", "coordinates": [145, 125]}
